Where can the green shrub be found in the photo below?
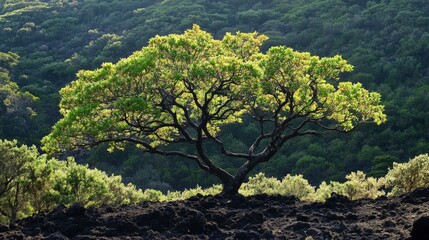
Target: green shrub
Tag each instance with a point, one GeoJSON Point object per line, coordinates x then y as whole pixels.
{"type": "Point", "coordinates": [406, 177]}
{"type": "Point", "coordinates": [296, 186]}
{"type": "Point", "coordinates": [290, 185]}
{"type": "Point", "coordinates": [153, 195]}
{"type": "Point", "coordinates": [187, 193]}
{"type": "Point", "coordinates": [359, 186]}
{"type": "Point", "coordinates": [15, 163]}
{"type": "Point", "coordinates": [31, 183]}
{"type": "Point", "coordinates": [260, 184]}
{"type": "Point", "coordinates": [323, 192]}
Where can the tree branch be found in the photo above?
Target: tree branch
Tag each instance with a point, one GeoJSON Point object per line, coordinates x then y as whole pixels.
{"type": "Point", "coordinates": [148, 148]}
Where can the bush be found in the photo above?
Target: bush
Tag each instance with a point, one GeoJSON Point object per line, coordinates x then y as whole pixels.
{"type": "Point", "coordinates": [359, 186]}
{"type": "Point", "coordinates": [14, 164]}
{"type": "Point", "coordinates": [187, 193]}
{"type": "Point", "coordinates": [153, 195]}
{"type": "Point", "coordinates": [31, 183]}
{"type": "Point", "coordinates": [260, 184]}
{"type": "Point", "coordinates": [296, 186]}
{"type": "Point", "coordinates": [323, 192]}
{"type": "Point", "coordinates": [290, 185]}
{"type": "Point", "coordinates": [406, 177]}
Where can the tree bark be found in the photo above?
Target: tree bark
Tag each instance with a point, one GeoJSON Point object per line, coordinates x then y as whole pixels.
{"type": "Point", "coordinates": [231, 188]}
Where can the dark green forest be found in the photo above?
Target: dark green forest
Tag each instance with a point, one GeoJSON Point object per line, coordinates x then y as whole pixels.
{"type": "Point", "coordinates": [43, 44]}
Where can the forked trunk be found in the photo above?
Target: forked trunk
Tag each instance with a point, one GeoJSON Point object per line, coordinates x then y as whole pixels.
{"type": "Point", "coordinates": [231, 187]}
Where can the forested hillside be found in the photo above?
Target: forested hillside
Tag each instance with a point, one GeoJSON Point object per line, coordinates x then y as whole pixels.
{"type": "Point", "coordinates": [386, 40]}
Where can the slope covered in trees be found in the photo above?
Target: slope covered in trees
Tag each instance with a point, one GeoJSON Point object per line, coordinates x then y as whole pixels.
{"type": "Point", "coordinates": [386, 40]}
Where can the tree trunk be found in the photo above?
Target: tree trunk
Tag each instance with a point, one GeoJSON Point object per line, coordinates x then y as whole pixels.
{"type": "Point", "coordinates": [231, 188]}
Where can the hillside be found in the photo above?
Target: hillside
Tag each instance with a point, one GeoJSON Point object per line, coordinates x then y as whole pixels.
{"type": "Point", "coordinates": [257, 217]}
{"type": "Point", "coordinates": [386, 40]}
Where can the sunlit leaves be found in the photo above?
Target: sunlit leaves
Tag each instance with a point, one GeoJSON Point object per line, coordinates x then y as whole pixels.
{"type": "Point", "coordinates": [182, 84]}
{"type": "Point", "coordinates": [406, 177]}
{"type": "Point", "coordinates": [31, 183]}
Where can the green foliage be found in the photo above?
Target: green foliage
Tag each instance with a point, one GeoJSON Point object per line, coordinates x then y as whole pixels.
{"type": "Point", "coordinates": [323, 192]}
{"type": "Point", "coordinates": [359, 186]}
{"type": "Point", "coordinates": [14, 102]}
{"type": "Point", "coordinates": [386, 41]}
{"type": "Point", "coordinates": [187, 193]}
{"type": "Point", "coordinates": [295, 186]}
{"type": "Point", "coordinates": [14, 165]}
{"type": "Point", "coordinates": [16, 107]}
{"type": "Point", "coordinates": [406, 177]}
{"type": "Point", "coordinates": [260, 184]}
{"type": "Point", "coordinates": [186, 87]}
{"type": "Point", "coordinates": [32, 183]}
{"type": "Point", "coordinates": [153, 195]}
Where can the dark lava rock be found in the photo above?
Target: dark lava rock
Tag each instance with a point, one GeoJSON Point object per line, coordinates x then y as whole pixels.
{"type": "Point", "coordinates": [312, 232]}
{"type": "Point", "coordinates": [194, 223]}
{"type": "Point", "coordinates": [237, 201]}
{"type": "Point", "coordinates": [418, 196]}
{"type": "Point", "coordinates": [420, 229]}
{"type": "Point", "coordinates": [389, 224]}
{"type": "Point", "coordinates": [334, 216]}
{"type": "Point", "coordinates": [302, 218]}
{"type": "Point", "coordinates": [4, 228]}
{"type": "Point", "coordinates": [299, 226]}
{"type": "Point", "coordinates": [351, 216]}
{"type": "Point", "coordinates": [56, 236]}
{"type": "Point", "coordinates": [245, 235]}
{"type": "Point", "coordinates": [337, 201]}
{"type": "Point", "coordinates": [76, 210]}
{"type": "Point", "coordinates": [213, 217]}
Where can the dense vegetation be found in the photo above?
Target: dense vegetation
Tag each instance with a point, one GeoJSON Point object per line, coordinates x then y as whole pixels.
{"type": "Point", "coordinates": [31, 183]}
{"type": "Point", "coordinates": [183, 88]}
{"type": "Point", "coordinates": [386, 40]}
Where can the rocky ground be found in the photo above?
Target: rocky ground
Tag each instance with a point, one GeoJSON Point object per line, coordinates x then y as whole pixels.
{"type": "Point", "coordinates": [257, 217]}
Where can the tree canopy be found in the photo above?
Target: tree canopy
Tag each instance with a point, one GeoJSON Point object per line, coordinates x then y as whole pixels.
{"type": "Point", "coordinates": [386, 41]}
{"type": "Point", "coordinates": [182, 88]}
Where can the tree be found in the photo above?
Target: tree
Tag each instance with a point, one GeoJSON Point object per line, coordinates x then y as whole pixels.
{"type": "Point", "coordinates": [14, 163]}
{"type": "Point", "coordinates": [182, 88]}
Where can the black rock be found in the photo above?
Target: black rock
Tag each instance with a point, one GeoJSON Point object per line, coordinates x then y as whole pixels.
{"type": "Point", "coordinates": [418, 196]}
{"type": "Point", "coordinates": [389, 224]}
{"type": "Point", "coordinates": [299, 226]}
{"type": "Point", "coordinates": [302, 218]}
{"type": "Point", "coordinates": [268, 235]}
{"type": "Point", "coordinates": [237, 201]}
{"type": "Point", "coordinates": [334, 216]}
{"type": "Point", "coordinates": [420, 229]}
{"type": "Point", "coordinates": [196, 222]}
{"type": "Point", "coordinates": [312, 232]}
{"type": "Point", "coordinates": [245, 235]}
{"type": "Point", "coordinates": [76, 210]}
{"type": "Point", "coordinates": [56, 236]}
{"type": "Point", "coordinates": [4, 228]}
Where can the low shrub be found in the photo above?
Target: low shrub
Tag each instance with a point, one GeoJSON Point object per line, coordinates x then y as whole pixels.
{"type": "Point", "coordinates": [406, 177]}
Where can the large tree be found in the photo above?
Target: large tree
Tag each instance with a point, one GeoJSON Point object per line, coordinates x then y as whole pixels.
{"type": "Point", "coordinates": [182, 88]}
